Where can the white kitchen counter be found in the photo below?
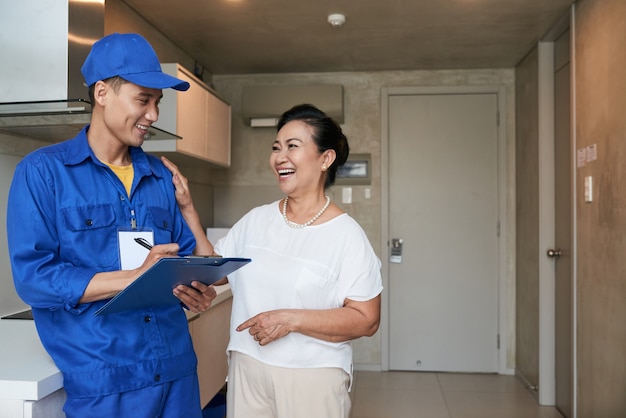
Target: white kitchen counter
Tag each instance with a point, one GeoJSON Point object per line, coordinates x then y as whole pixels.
{"type": "Point", "coordinates": [27, 372]}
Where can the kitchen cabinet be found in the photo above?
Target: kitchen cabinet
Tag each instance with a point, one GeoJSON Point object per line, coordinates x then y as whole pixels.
{"type": "Point", "coordinates": [199, 117]}
{"type": "Point", "coordinates": [210, 334]}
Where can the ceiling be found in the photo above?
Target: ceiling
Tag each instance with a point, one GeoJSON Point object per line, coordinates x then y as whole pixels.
{"type": "Point", "coordinates": [280, 36]}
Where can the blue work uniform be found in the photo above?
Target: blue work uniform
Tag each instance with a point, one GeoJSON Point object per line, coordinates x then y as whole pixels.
{"type": "Point", "coordinates": [64, 211]}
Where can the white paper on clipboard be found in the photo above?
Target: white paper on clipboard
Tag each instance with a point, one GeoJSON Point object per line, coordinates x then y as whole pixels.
{"type": "Point", "coordinates": [132, 255]}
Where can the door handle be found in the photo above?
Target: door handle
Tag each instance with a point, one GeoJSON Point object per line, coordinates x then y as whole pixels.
{"type": "Point", "coordinates": [554, 253]}
{"type": "Point", "coordinates": [396, 250]}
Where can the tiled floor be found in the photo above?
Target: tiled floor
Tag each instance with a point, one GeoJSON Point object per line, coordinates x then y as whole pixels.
{"type": "Point", "coordinates": [443, 395]}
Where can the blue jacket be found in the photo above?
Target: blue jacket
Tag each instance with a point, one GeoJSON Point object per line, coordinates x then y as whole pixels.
{"type": "Point", "coordinates": [63, 215]}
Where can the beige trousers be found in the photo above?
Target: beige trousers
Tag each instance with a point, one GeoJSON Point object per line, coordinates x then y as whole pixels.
{"type": "Point", "coordinates": [256, 390]}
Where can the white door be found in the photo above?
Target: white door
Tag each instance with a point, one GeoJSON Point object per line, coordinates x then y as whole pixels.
{"type": "Point", "coordinates": [443, 204]}
{"type": "Point", "coordinates": [563, 203]}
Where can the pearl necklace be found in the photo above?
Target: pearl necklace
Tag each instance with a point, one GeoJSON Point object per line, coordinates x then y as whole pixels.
{"type": "Point", "coordinates": [309, 222]}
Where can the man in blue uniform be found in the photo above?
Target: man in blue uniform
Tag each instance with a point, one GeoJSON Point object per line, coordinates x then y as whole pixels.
{"type": "Point", "coordinates": [71, 208]}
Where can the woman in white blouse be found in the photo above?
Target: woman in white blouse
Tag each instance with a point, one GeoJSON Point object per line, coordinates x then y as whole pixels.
{"type": "Point", "coordinates": [313, 284]}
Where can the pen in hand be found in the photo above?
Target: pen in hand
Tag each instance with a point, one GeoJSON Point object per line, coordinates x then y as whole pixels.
{"type": "Point", "coordinates": [144, 243]}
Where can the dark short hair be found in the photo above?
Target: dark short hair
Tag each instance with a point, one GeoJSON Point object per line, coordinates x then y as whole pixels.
{"type": "Point", "coordinates": [115, 82]}
{"type": "Point", "coordinates": [327, 134]}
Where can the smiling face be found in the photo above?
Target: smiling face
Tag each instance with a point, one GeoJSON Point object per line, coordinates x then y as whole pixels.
{"type": "Point", "coordinates": [297, 161]}
{"type": "Point", "coordinates": [128, 110]}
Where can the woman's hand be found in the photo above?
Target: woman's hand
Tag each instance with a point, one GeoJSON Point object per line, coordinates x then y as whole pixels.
{"type": "Point", "coordinates": [181, 184]}
{"type": "Point", "coordinates": [353, 320]}
{"type": "Point", "coordinates": [268, 326]}
{"type": "Point", "coordinates": [185, 203]}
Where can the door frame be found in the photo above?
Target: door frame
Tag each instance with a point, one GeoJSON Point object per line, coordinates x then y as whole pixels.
{"type": "Point", "coordinates": [506, 253]}
{"type": "Point", "coordinates": [547, 274]}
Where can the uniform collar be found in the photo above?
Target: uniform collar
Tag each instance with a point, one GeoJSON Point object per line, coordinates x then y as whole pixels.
{"type": "Point", "coordinates": [79, 151]}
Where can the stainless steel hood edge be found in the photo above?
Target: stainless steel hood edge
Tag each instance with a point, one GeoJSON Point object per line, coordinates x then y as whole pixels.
{"type": "Point", "coordinates": [59, 126]}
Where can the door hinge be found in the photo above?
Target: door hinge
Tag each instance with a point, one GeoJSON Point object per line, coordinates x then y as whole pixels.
{"type": "Point", "coordinates": [497, 118]}
{"type": "Point", "coordinates": [498, 341]}
{"type": "Point", "coordinates": [498, 229]}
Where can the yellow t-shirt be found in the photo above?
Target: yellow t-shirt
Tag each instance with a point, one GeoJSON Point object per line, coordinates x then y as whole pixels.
{"type": "Point", "coordinates": [125, 174]}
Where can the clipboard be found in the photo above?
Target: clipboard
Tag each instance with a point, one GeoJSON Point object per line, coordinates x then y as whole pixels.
{"type": "Point", "coordinates": [154, 287]}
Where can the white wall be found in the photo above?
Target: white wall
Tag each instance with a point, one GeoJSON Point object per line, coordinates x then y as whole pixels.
{"type": "Point", "coordinates": [12, 149]}
{"type": "Point", "coordinates": [9, 301]}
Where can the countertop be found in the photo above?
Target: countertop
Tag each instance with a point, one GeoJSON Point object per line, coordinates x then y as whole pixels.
{"type": "Point", "coordinates": [26, 370]}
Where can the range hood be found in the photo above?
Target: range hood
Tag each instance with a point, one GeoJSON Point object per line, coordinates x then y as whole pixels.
{"type": "Point", "coordinates": [42, 91]}
{"type": "Point", "coordinates": [54, 120]}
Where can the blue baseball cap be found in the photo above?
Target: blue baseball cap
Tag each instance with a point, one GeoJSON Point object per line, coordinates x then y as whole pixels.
{"type": "Point", "coordinates": [130, 57]}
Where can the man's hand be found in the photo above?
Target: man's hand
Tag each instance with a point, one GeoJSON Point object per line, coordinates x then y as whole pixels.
{"type": "Point", "coordinates": [156, 253]}
{"type": "Point", "coordinates": [105, 285]}
{"type": "Point", "coordinates": [196, 298]}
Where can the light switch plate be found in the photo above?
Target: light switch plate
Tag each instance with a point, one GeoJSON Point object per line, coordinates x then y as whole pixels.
{"type": "Point", "coordinates": [588, 189]}
{"type": "Point", "coordinates": [346, 195]}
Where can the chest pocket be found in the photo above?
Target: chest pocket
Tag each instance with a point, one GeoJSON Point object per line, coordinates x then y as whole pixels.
{"type": "Point", "coordinates": [90, 237]}
{"type": "Point", "coordinates": [85, 218]}
{"type": "Point", "coordinates": [313, 291]}
{"type": "Point", "coordinates": [160, 217]}
{"type": "Point", "coordinates": [163, 224]}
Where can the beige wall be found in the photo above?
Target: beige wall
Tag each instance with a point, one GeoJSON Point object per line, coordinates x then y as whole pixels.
{"type": "Point", "coordinates": [527, 218]}
{"type": "Point", "coordinates": [600, 85]}
{"type": "Point", "coordinates": [250, 173]}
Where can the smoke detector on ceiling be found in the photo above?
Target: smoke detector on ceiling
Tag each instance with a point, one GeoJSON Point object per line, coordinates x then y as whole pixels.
{"type": "Point", "coordinates": [336, 20]}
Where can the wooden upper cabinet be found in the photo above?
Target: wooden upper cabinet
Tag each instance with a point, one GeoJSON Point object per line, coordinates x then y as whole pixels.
{"type": "Point", "coordinates": [200, 117]}
{"type": "Point", "coordinates": [191, 118]}
{"type": "Point", "coordinates": [217, 112]}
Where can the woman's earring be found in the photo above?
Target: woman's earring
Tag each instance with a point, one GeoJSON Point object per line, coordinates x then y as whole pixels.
{"type": "Point", "coordinates": [324, 167]}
